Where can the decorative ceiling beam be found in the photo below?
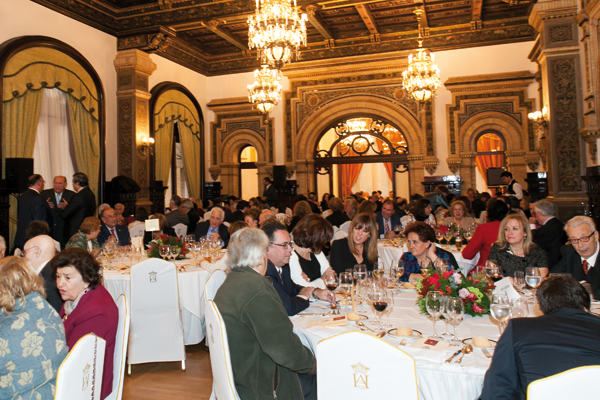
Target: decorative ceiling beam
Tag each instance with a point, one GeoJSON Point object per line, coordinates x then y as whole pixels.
{"type": "Point", "coordinates": [476, 14]}
{"type": "Point", "coordinates": [367, 17]}
{"type": "Point", "coordinates": [317, 22]}
{"type": "Point", "coordinates": [213, 26]}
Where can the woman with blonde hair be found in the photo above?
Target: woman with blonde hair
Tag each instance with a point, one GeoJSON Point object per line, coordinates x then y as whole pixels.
{"type": "Point", "coordinates": [360, 247]}
{"type": "Point", "coordinates": [458, 215]}
{"type": "Point", "coordinates": [514, 249]}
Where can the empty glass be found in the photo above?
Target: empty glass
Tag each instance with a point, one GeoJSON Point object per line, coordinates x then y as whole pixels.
{"type": "Point", "coordinates": [500, 309]}
{"type": "Point", "coordinates": [519, 308]}
{"type": "Point", "coordinates": [455, 309]}
{"type": "Point", "coordinates": [435, 306]}
{"type": "Point", "coordinates": [519, 281]}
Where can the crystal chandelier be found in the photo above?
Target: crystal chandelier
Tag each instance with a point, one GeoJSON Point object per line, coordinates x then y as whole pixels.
{"type": "Point", "coordinates": [277, 31]}
{"type": "Point", "coordinates": [422, 78]}
{"type": "Point", "coordinates": [265, 92]}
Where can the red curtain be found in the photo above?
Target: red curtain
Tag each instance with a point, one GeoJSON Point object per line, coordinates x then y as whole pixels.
{"type": "Point", "coordinates": [488, 143]}
{"type": "Point", "coordinates": [349, 174]}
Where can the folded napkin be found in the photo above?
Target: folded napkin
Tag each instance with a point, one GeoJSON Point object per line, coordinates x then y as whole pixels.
{"type": "Point", "coordinates": [427, 355]}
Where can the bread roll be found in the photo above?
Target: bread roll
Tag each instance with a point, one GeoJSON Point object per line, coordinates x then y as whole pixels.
{"type": "Point", "coordinates": [352, 316]}
{"type": "Point", "coordinates": [409, 286]}
{"type": "Point", "coordinates": [480, 341]}
{"type": "Point", "coordinates": [404, 331]}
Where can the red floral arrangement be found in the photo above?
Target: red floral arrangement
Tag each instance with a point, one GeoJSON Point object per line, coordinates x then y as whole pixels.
{"type": "Point", "coordinates": [173, 241]}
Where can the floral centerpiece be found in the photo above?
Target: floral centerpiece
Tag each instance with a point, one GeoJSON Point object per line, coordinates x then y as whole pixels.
{"type": "Point", "coordinates": [455, 230]}
{"type": "Point", "coordinates": [471, 289]}
{"type": "Point", "coordinates": [173, 241]}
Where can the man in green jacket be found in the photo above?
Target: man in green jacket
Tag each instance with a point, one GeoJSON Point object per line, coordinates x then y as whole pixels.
{"type": "Point", "coordinates": [266, 355]}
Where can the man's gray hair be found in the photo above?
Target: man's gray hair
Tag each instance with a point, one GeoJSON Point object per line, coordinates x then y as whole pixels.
{"type": "Point", "coordinates": [247, 248]}
{"type": "Point", "coordinates": [187, 203]}
{"type": "Point", "coordinates": [101, 208]}
{"type": "Point", "coordinates": [220, 210]}
{"type": "Point", "coordinates": [580, 220]}
{"type": "Point", "coordinates": [546, 207]}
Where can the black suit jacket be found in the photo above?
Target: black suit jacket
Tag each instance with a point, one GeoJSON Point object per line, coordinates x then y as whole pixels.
{"type": "Point", "coordinates": [235, 216]}
{"type": "Point", "coordinates": [287, 289]}
{"type": "Point", "coordinates": [52, 293]}
{"type": "Point", "coordinates": [394, 220]}
{"type": "Point", "coordinates": [59, 223]}
{"type": "Point", "coordinates": [271, 195]}
{"type": "Point", "coordinates": [193, 218]}
{"type": "Point", "coordinates": [337, 218]}
{"type": "Point", "coordinates": [121, 231]}
{"type": "Point", "coordinates": [571, 263]}
{"type": "Point", "coordinates": [31, 207]}
{"type": "Point", "coordinates": [550, 237]}
{"type": "Point", "coordinates": [534, 348]}
{"type": "Point", "coordinates": [82, 205]}
{"type": "Point", "coordinates": [202, 229]}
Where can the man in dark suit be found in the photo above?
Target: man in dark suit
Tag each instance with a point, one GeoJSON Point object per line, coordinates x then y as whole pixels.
{"type": "Point", "coordinates": [111, 228]}
{"type": "Point", "coordinates": [387, 220]}
{"type": "Point", "coordinates": [550, 235]}
{"type": "Point", "coordinates": [187, 207]}
{"type": "Point", "coordinates": [82, 205]}
{"type": "Point", "coordinates": [176, 216]}
{"type": "Point", "coordinates": [57, 199]}
{"type": "Point", "coordinates": [580, 258]}
{"type": "Point", "coordinates": [295, 298]}
{"type": "Point", "coordinates": [39, 250]}
{"type": "Point", "coordinates": [214, 226]}
{"type": "Point", "coordinates": [238, 214]}
{"type": "Point", "coordinates": [31, 206]}
{"type": "Point", "coordinates": [565, 337]}
{"type": "Point", "coordinates": [270, 193]}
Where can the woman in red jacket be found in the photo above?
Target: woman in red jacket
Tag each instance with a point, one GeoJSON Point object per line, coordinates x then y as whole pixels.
{"type": "Point", "coordinates": [486, 234]}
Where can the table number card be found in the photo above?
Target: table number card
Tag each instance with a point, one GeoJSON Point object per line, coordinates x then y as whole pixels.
{"type": "Point", "coordinates": [152, 225]}
{"type": "Point", "coordinates": [504, 286]}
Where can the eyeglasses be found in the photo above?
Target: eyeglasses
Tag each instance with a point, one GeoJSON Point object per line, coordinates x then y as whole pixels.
{"type": "Point", "coordinates": [286, 245]}
{"type": "Point", "coordinates": [584, 239]}
{"type": "Point", "coordinates": [26, 250]}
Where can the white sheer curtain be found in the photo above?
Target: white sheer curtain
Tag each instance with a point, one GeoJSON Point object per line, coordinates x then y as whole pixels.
{"type": "Point", "coordinates": [52, 152]}
{"type": "Point", "coordinates": [373, 176]}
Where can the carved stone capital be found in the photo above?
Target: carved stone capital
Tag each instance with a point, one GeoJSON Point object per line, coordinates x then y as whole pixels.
{"type": "Point", "coordinates": [430, 164]}
{"type": "Point", "coordinates": [533, 162]}
{"type": "Point", "coordinates": [311, 9]}
{"type": "Point", "coordinates": [214, 171]}
{"type": "Point", "coordinates": [134, 60]}
{"type": "Point", "coordinates": [454, 164]}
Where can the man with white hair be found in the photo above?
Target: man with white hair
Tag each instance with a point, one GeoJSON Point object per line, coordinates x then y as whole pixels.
{"type": "Point", "coordinates": [550, 235]}
{"type": "Point", "coordinates": [214, 228]}
{"type": "Point", "coordinates": [39, 250]}
{"type": "Point", "coordinates": [265, 215]}
{"type": "Point", "coordinates": [580, 258]}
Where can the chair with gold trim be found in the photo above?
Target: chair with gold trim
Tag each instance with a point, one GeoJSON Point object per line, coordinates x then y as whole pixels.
{"type": "Point", "coordinates": [576, 383]}
{"type": "Point", "coordinates": [121, 341]}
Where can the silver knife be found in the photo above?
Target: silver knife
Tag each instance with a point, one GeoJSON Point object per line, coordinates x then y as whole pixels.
{"type": "Point", "coordinates": [486, 353]}
{"type": "Point", "coordinates": [454, 355]}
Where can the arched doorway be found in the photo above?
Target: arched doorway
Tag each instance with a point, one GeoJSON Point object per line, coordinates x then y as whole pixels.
{"type": "Point", "coordinates": [248, 173]}
{"type": "Point", "coordinates": [490, 147]}
{"type": "Point", "coordinates": [366, 146]}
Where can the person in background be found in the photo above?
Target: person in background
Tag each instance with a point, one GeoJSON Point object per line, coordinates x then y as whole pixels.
{"type": "Point", "coordinates": [54, 197]}
{"type": "Point", "coordinates": [486, 234]}
{"type": "Point", "coordinates": [2, 247]}
{"type": "Point", "coordinates": [550, 234]}
{"type": "Point", "coordinates": [360, 247]}
{"type": "Point", "coordinates": [422, 212]}
{"type": "Point", "coordinates": [82, 205]}
{"type": "Point", "coordinates": [32, 336]}
{"type": "Point", "coordinates": [387, 220]}
{"type": "Point", "coordinates": [165, 229]}
{"type": "Point", "coordinates": [31, 206]}
{"type": "Point", "coordinates": [141, 215]}
{"type": "Point", "coordinates": [176, 216]}
{"type": "Point", "coordinates": [401, 204]}
{"type": "Point", "coordinates": [111, 228]}
{"type": "Point", "coordinates": [187, 207]}
{"type": "Point", "coordinates": [301, 209]}
{"type": "Point", "coordinates": [350, 207]}
{"type": "Point", "coordinates": [214, 228]}
{"type": "Point", "coordinates": [313, 200]}
{"type": "Point", "coordinates": [270, 193]}
{"type": "Point", "coordinates": [337, 216]}
{"type": "Point", "coordinates": [458, 216]}
{"type": "Point", "coordinates": [119, 210]}
{"type": "Point", "coordinates": [39, 251]}
{"type": "Point", "coordinates": [85, 238]}
{"type": "Point", "coordinates": [238, 215]}
{"type": "Point", "coordinates": [266, 215]}
{"type": "Point", "coordinates": [236, 226]}
{"type": "Point", "coordinates": [256, 202]}
{"type": "Point", "coordinates": [514, 188]}
{"type": "Point", "coordinates": [367, 206]}
{"type": "Point", "coordinates": [437, 198]}
{"type": "Point", "coordinates": [251, 217]}
{"type": "Point", "coordinates": [36, 228]}
{"type": "Point", "coordinates": [324, 201]}
{"type": "Point", "coordinates": [375, 199]}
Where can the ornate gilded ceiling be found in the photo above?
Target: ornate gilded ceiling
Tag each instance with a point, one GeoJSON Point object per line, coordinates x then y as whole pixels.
{"type": "Point", "coordinates": [211, 37]}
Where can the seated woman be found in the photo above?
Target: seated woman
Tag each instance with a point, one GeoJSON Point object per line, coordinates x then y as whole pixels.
{"type": "Point", "coordinates": [360, 247]}
{"type": "Point", "coordinates": [256, 202]}
{"type": "Point", "coordinates": [486, 234]}
{"type": "Point", "coordinates": [458, 216]}
{"type": "Point", "coordinates": [337, 216]}
{"type": "Point", "coordinates": [301, 209]}
{"type": "Point", "coordinates": [308, 264]}
{"type": "Point", "coordinates": [324, 201]}
{"type": "Point", "coordinates": [514, 250]}
{"type": "Point", "coordinates": [421, 212]}
{"type": "Point", "coordinates": [88, 306]}
{"type": "Point", "coordinates": [32, 344]}
{"type": "Point", "coordinates": [86, 237]}
{"type": "Point", "coordinates": [423, 251]}
{"type": "Point", "coordinates": [251, 216]}
{"type": "Point", "coordinates": [165, 229]}
{"type": "Point", "coordinates": [367, 206]}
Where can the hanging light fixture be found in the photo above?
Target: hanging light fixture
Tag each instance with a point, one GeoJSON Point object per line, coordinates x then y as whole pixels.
{"type": "Point", "coordinates": [422, 78]}
{"type": "Point", "coordinates": [265, 92]}
{"type": "Point", "coordinates": [277, 31]}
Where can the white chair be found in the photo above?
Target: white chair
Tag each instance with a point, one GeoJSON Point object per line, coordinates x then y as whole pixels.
{"type": "Point", "coordinates": [345, 226]}
{"type": "Point", "coordinates": [79, 377]}
{"type": "Point", "coordinates": [326, 213]}
{"type": "Point", "coordinates": [180, 229]}
{"type": "Point", "coordinates": [340, 234]}
{"type": "Point", "coordinates": [214, 282]}
{"type": "Point", "coordinates": [137, 231]}
{"type": "Point", "coordinates": [156, 333]}
{"type": "Point", "coordinates": [226, 223]}
{"type": "Point", "coordinates": [121, 341]}
{"type": "Point", "coordinates": [576, 383]}
{"type": "Point", "coordinates": [220, 359]}
{"type": "Point", "coordinates": [352, 361]}
{"type": "Point", "coordinates": [288, 211]}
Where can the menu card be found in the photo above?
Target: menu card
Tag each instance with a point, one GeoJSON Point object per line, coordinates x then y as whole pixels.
{"type": "Point", "coordinates": [339, 320]}
{"type": "Point", "coordinates": [430, 344]}
{"type": "Point", "coordinates": [504, 286]}
{"type": "Point", "coordinates": [152, 225]}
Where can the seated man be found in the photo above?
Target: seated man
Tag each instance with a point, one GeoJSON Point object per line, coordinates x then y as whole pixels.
{"type": "Point", "coordinates": [265, 215]}
{"type": "Point", "coordinates": [580, 258]}
{"type": "Point", "coordinates": [111, 228]}
{"type": "Point", "coordinates": [214, 228]}
{"type": "Point", "coordinates": [176, 216]}
{"type": "Point", "coordinates": [565, 337]}
{"type": "Point", "coordinates": [387, 220]}
{"type": "Point", "coordinates": [295, 298]}
{"type": "Point", "coordinates": [39, 251]}
{"type": "Point", "coordinates": [550, 235]}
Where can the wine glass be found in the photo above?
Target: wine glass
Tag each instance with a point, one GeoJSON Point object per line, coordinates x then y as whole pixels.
{"type": "Point", "coordinates": [390, 307]}
{"type": "Point", "coordinates": [533, 279]}
{"type": "Point", "coordinates": [448, 235]}
{"type": "Point", "coordinates": [108, 250]}
{"type": "Point", "coordinates": [379, 299]}
{"type": "Point", "coordinates": [175, 251]}
{"type": "Point", "coordinates": [500, 309]}
{"type": "Point", "coordinates": [493, 271]}
{"type": "Point", "coordinates": [394, 276]}
{"type": "Point", "coordinates": [469, 234]}
{"type": "Point", "coordinates": [439, 235]}
{"type": "Point", "coordinates": [519, 308]}
{"type": "Point", "coordinates": [519, 281]}
{"type": "Point", "coordinates": [378, 271]}
{"type": "Point", "coordinates": [441, 265]}
{"type": "Point", "coordinates": [360, 273]}
{"type": "Point", "coordinates": [398, 229]}
{"type": "Point", "coordinates": [446, 315]}
{"type": "Point", "coordinates": [435, 306]}
{"type": "Point", "coordinates": [455, 308]}
{"type": "Point", "coordinates": [346, 284]}
{"type": "Point", "coordinates": [331, 281]}
{"type": "Point", "coordinates": [164, 251]}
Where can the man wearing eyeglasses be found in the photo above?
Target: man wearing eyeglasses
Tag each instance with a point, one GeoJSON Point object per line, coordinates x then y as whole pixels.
{"type": "Point", "coordinates": [580, 258]}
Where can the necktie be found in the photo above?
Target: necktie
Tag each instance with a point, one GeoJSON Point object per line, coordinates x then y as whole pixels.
{"type": "Point", "coordinates": [57, 198]}
{"type": "Point", "coordinates": [386, 225]}
{"type": "Point", "coordinates": [112, 232]}
{"type": "Point", "coordinates": [586, 267]}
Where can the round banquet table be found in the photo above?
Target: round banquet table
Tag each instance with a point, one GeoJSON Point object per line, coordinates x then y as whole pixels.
{"type": "Point", "coordinates": [436, 379]}
{"type": "Point", "coordinates": [191, 292]}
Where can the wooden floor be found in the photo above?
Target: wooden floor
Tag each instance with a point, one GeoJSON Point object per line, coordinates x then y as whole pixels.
{"type": "Point", "coordinates": [165, 381]}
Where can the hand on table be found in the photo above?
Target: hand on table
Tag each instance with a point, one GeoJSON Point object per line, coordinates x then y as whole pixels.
{"type": "Point", "coordinates": [390, 235]}
{"type": "Point", "coordinates": [307, 291]}
{"type": "Point", "coordinates": [324, 294]}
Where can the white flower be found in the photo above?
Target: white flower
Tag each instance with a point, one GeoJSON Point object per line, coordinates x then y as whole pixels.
{"type": "Point", "coordinates": [38, 302]}
{"type": "Point", "coordinates": [32, 344]}
{"type": "Point", "coordinates": [5, 381]}
{"type": "Point", "coordinates": [457, 278]}
{"type": "Point", "coordinates": [26, 378]}
{"type": "Point", "coordinates": [40, 325]}
{"type": "Point", "coordinates": [10, 366]}
{"type": "Point", "coordinates": [47, 365]}
{"type": "Point", "coordinates": [20, 321]}
{"type": "Point", "coordinates": [60, 344]}
{"type": "Point", "coordinates": [38, 396]}
{"type": "Point", "coordinates": [4, 350]}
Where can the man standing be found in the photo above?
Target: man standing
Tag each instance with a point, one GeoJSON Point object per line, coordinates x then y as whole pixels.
{"type": "Point", "coordinates": [295, 298]}
{"type": "Point", "coordinates": [111, 228]}
{"type": "Point", "coordinates": [387, 220]}
{"type": "Point", "coordinates": [187, 207]}
{"type": "Point", "coordinates": [31, 206]}
{"type": "Point", "coordinates": [580, 258]}
{"type": "Point", "coordinates": [57, 199]}
{"type": "Point", "coordinates": [565, 337]}
{"type": "Point", "coordinates": [270, 193]}
{"type": "Point", "coordinates": [39, 250]}
{"type": "Point", "coordinates": [176, 216]}
{"type": "Point", "coordinates": [81, 206]}
{"type": "Point", "coordinates": [514, 188]}
{"type": "Point", "coordinates": [214, 228]}
{"type": "Point", "coordinates": [550, 235]}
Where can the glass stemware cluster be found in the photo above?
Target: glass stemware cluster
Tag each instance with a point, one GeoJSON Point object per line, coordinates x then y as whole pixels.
{"type": "Point", "coordinates": [452, 308]}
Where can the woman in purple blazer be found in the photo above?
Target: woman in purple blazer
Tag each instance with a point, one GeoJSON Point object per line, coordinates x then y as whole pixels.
{"type": "Point", "coordinates": [88, 307]}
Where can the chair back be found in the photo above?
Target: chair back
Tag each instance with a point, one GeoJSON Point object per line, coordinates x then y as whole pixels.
{"type": "Point", "coordinates": [156, 332]}
{"type": "Point", "coordinates": [138, 241]}
{"type": "Point", "coordinates": [345, 226]}
{"type": "Point", "coordinates": [340, 234]}
{"type": "Point", "coordinates": [326, 213]}
{"type": "Point", "coordinates": [119, 357]}
{"type": "Point", "coordinates": [351, 362]}
{"type": "Point", "coordinates": [180, 229]}
{"type": "Point", "coordinates": [137, 231]}
{"type": "Point", "coordinates": [214, 282]}
{"type": "Point", "coordinates": [226, 223]}
{"type": "Point", "coordinates": [575, 383]}
{"type": "Point", "coordinates": [220, 359]}
{"type": "Point", "coordinates": [57, 245]}
{"type": "Point", "coordinates": [79, 377]}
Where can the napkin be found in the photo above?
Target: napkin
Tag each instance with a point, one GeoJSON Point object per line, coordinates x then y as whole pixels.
{"type": "Point", "coordinates": [425, 354]}
{"type": "Point", "coordinates": [504, 286]}
{"type": "Point", "coordinates": [430, 344]}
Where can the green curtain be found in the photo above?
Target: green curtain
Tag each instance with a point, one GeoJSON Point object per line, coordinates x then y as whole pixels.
{"type": "Point", "coordinates": [163, 149]}
{"type": "Point", "coordinates": [190, 146]}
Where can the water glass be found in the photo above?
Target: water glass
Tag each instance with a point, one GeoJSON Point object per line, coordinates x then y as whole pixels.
{"type": "Point", "coordinates": [519, 281]}
{"type": "Point", "coordinates": [519, 308]}
{"type": "Point", "coordinates": [455, 309]}
{"type": "Point", "coordinates": [533, 278]}
{"type": "Point", "coordinates": [500, 309]}
{"type": "Point", "coordinates": [435, 307]}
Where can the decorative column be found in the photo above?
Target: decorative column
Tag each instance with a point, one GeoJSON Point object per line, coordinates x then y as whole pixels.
{"type": "Point", "coordinates": [133, 119]}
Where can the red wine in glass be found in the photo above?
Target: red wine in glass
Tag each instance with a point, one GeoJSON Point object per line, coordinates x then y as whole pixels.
{"type": "Point", "coordinates": [332, 286]}
{"type": "Point", "coordinates": [380, 305]}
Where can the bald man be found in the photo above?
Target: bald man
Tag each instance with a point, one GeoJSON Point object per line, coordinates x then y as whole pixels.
{"type": "Point", "coordinates": [265, 215]}
{"type": "Point", "coordinates": [39, 250]}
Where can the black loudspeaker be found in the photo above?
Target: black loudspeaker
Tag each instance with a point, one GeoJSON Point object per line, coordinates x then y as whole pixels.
{"type": "Point", "coordinates": [279, 176]}
{"type": "Point", "coordinates": [493, 176]}
{"type": "Point", "coordinates": [18, 171]}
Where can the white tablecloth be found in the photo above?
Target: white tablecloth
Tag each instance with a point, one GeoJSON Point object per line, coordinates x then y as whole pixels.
{"type": "Point", "coordinates": [436, 379]}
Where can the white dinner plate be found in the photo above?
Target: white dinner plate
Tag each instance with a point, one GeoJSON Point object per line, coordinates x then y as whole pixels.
{"type": "Point", "coordinates": [470, 341]}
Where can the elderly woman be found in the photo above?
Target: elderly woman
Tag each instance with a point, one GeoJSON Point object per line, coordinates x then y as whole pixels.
{"type": "Point", "coordinates": [308, 264]}
{"type": "Point", "coordinates": [256, 202]}
{"type": "Point", "coordinates": [360, 247]}
{"type": "Point", "coordinates": [86, 238]}
{"type": "Point", "coordinates": [251, 216]}
{"type": "Point", "coordinates": [458, 215]}
{"type": "Point", "coordinates": [261, 337]}
{"type": "Point", "coordinates": [88, 307]}
{"type": "Point", "coordinates": [423, 251]}
{"type": "Point", "coordinates": [32, 337]}
{"type": "Point", "coordinates": [165, 229]}
{"type": "Point", "coordinates": [514, 250]}
{"type": "Point", "coordinates": [486, 234]}
{"type": "Point", "coordinates": [301, 209]}
{"type": "Point", "coordinates": [337, 216]}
